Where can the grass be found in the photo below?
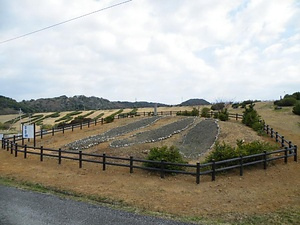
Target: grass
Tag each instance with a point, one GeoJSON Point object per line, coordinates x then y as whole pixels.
{"type": "Point", "coordinates": [289, 215]}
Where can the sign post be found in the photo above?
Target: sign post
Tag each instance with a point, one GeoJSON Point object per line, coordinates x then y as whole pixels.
{"type": "Point", "coordinates": [29, 132]}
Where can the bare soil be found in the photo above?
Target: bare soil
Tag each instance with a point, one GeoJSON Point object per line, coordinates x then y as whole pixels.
{"type": "Point", "coordinates": [230, 196]}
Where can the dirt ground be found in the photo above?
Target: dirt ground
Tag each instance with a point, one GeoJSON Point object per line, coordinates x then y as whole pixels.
{"type": "Point", "coordinates": [230, 196]}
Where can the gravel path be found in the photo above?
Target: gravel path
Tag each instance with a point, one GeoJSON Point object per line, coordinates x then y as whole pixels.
{"type": "Point", "coordinates": [156, 134]}
{"type": "Point", "coordinates": [200, 138]}
{"type": "Point", "coordinates": [19, 207]}
{"type": "Point", "coordinates": [111, 134]}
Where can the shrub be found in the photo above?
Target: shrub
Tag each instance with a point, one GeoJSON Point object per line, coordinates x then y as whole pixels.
{"type": "Point", "coordinates": [250, 116]}
{"type": "Point", "coordinates": [258, 127]}
{"type": "Point", "coordinates": [296, 109]}
{"type": "Point", "coordinates": [194, 112]}
{"type": "Point", "coordinates": [218, 106]}
{"type": "Point", "coordinates": [223, 115]}
{"type": "Point", "coordinates": [288, 101]}
{"type": "Point", "coordinates": [109, 119]}
{"type": "Point", "coordinates": [235, 105]}
{"type": "Point", "coordinates": [170, 154]}
{"type": "Point", "coordinates": [296, 95]}
{"type": "Point", "coordinates": [205, 112]}
{"type": "Point", "coordinates": [221, 152]}
{"type": "Point", "coordinates": [225, 151]}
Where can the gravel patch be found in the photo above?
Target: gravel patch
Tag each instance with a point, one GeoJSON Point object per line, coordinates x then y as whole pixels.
{"type": "Point", "coordinates": [155, 135]}
{"type": "Point", "coordinates": [111, 134]}
{"type": "Point", "coordinates": [199, 139]}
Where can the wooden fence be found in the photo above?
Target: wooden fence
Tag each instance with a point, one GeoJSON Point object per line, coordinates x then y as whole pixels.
{"type": "Point", "coordinates": [162, 167]}
{"type": "Point", "coordinates": [101, 121]}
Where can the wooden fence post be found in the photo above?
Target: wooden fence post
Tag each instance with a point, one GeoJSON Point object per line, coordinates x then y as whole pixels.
{"type": "Point", "coordinates": [265, 160]}
{"type": "Point", "coordinates": [11, 147]}
{"type": "Point", "coordinates": [267, 129]}
{"type": "Point", "coordinates": [276, 136]}
{"type": "Point", "coordinates": [80, 159]}
{"type": "Point", "coordinates": [41, 133]}
{"type": "Point", "coordinates": [290, 147]}
{"type": "Point", "coordinates": [88, 124]}
{"type": "Point", "coordinates": [286, 155]}
{"type": "Point", "coordinates": [25, 151]}
{"type": "Point", "coordinates": [104, 162]}
{"type": "Point", "coordinates": [16, 149]}
{"type": "Point", "coordinates": [42, 152]}
{"type": "Point", "coordinates": [59, 156]}
{"type": "Point", "coordinates": [72, 127]}
{"type": "Point", "coordinates": [272, 133]}
{"type": "Point", "coordinates": [7, 145]}
{"type": "Point", "coordinates": [102, 120]}
{"type": "Point", "coordinates": [236, 116]}
{"type": "Point", "coordinates": [52, 131]}
{"type": "Point", "coordinates": [162, 169]}
{"type": "Point", "coordinates": [198, 173]}
{"type": "Point", "coordinates": [241, 166]}
{"type": "Point", "coordinates": [131, 164]}
{"type": "Point", "coordinates": [95, 122]}
{"type": "Point", "coordinates": [295, 153]}
{"type": "Point", "coordinates": [63, 129]}
{"type": "Point", "coordinates": [213, 168]}
{"type": "Point", "coordinates": [282, 141]}
{"type": "Point", "coordinates": [81, 126]}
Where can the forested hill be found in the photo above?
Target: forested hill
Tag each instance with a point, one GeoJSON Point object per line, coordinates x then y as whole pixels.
{"type": "Point", "coordinates": [78, 102]}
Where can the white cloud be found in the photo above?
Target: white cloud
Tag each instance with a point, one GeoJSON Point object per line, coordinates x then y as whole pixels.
{"type": "Point", "coordinates": [164, 51]}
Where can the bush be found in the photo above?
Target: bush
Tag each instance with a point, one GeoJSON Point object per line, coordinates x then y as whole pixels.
{"type": "Point", "coordinates": [296, 109]}
{"type": "Point", "coordinates": [221, 152]}
{"type": "Point", "coordinates": [194, 112]}
{"type": "Point", "coordinates": [235, 105]}
{"type": "Point", "coordinates": [250, 116]}
{"type": "Point", "coordinates": [170, 154]}
{"type": "Point", "coordinates": [288, 101]}
{"type": "Point", "coordinates": [109, 119]}
{"type": "Point", "coordinates": [205, 112]}
{"type": "Point", "coordinates": [258, 127]}
{"type": "Point", "coordinates": [296, 95]}
{"type": "Point", "coordinates": [225, 151]}
{"type": "Point", "coordinates": [218, 106]}
{"type": "Point", "coordinates": [223, 115]}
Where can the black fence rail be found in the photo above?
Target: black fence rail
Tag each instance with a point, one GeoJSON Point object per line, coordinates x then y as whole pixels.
{"type": "Point", "coordinates": [101, 121]}
{"type": "Point", "coordinates": [288, 149]}
{"type": "Point", "coordinates": [197, 170]}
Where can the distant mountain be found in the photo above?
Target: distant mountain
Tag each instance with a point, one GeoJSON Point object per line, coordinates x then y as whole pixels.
{"type": "Point", "coordinates": [77, 102]}
{"type": "Point", "coordinates": [195, 101]}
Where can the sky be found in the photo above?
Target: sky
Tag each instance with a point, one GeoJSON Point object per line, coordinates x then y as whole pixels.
{"type": "Point", "coordinates": [151, 50]}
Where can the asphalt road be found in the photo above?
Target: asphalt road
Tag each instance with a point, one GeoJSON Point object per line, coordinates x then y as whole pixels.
{"type": "Point", "coordinates": [20, 207]}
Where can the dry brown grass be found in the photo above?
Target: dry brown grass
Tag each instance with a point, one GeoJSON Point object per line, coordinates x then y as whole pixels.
{"type": "Point", "coordinates": [257, 192]}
